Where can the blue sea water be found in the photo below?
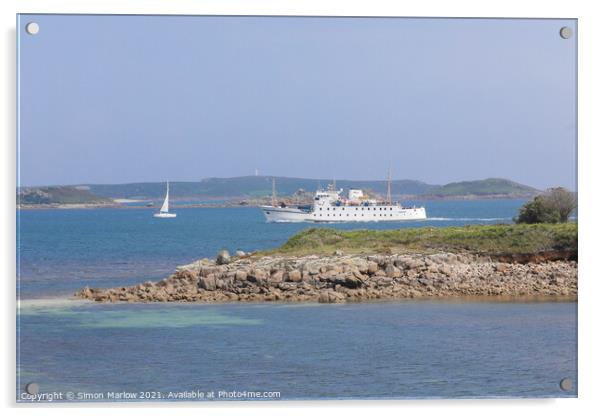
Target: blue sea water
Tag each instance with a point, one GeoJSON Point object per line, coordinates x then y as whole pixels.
{"type": "Point", "coordinates": [403, 349]}
{"type": "Point", "coordinates": [60, 251]}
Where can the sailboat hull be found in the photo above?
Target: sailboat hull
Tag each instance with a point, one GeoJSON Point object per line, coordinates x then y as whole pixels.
{"type": "Point", "coordinates": [164, 215]}
{"type": "Point", "coordinates": [164, 211]}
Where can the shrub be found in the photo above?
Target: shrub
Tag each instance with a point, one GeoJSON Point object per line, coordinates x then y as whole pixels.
{"type": "Point", "coordinates": [555, 205]}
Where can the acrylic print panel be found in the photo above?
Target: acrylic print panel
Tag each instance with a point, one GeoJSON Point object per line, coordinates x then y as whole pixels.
{"type": "Point", "coordinates": [280, 208]}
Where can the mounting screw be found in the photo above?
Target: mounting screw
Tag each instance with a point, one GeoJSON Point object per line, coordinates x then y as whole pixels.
{"type": "Point", "coordinates": [32, 28]}
{"type": "Point", "coordinates": [566, 32]}
{"type": "Point", "coordinates": [566, 384]}
{"type": "Point", "coordinates": [32, 388]}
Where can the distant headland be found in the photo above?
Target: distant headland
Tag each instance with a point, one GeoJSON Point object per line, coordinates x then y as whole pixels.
{"type": "Point", "coordinates": [256, 190]}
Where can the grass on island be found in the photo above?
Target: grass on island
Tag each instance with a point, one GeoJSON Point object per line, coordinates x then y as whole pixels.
{"type": "Point", "coordinates": [486, 239]}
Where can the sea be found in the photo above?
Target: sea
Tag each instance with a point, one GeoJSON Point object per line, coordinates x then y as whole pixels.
{"type": "Point", "coordinates": [71, 350]}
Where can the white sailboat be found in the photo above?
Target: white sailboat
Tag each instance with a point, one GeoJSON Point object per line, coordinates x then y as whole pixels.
{"type": "Point", "coordinates": [164, 211]}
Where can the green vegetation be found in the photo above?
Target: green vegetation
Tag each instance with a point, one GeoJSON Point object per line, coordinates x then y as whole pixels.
{"type": "Point", "coordinates": [485, 187]}
{"type": "Point", "coordinates": [555, 205]}
{"type": "Point", "coordinates": [485, 239]}
{"type": "Point", "coordinates": [60, 195]}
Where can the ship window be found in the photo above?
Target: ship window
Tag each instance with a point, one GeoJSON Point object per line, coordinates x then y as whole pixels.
{"type": "Point", "coordinates": [391, 208]}
{"type": "Point", "coordinates": [320, 208]}
{"type": "Point", "coordinates": [328, 209]}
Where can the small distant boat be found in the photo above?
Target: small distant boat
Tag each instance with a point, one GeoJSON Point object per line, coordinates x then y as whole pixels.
{"type": "Point", "coordinates": [164, 211]}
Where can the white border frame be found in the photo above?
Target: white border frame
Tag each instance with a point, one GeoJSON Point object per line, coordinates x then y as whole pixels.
{"type": "Point", "coordinates": [589, 70]}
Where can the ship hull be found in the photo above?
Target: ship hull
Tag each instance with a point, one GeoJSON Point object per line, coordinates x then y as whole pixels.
{"type": "Point", "coordinates": [345, 214]}
{"type": "Point", "coordinates": [277, 214]}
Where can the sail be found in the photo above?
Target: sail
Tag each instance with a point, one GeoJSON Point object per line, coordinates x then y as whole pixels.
{"type": "Point", "coordinates": [165, 206]}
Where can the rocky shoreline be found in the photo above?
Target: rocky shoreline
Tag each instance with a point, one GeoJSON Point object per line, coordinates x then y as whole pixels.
{"type": "Point", "coordinates": [348, 278]}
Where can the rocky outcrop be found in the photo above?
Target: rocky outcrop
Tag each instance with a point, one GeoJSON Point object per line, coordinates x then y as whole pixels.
{"type": "Point", "coordinates": [344, 278]}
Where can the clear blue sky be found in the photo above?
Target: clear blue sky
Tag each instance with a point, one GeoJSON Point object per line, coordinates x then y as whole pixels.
{"type": "Point", "coordinates": [125, 99]}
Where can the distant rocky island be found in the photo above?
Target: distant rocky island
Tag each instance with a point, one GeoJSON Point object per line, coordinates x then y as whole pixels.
{"type": "Point", "coordinates": [61, 195]}
{"type": "Point", "coordinates": [331, 266]}
{"type": "Point", "coordinates": [256, 190]}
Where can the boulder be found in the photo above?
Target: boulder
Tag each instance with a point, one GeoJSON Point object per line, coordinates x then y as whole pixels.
{"type": "Point", "coordinates": [313, 269]}
{"type": "Point", "coordinates": [223, 257]}
{"type": "Point", "coordinates": [240, 275]}
{"type": "Point", "coordinates": [330, 296]}
{"type": "Point", "coordinates": [208, 282]}
{"type": "Point", "coordinates": [277, 276]}
{"type": "Point", "coordinates": [425, 281]}
{"type": "Point", "coordinates": [352, 281]}
{"type": "Point", "coordinates": [361, 265]}
{"type": "Point", "coordinates": [392, 271]}
{"type": "Point", "coordinates": [86, 293]}
{"type": "Point", "coordinates": [287, 286]}
{"type": "Point", "coordinates": [294, 276]}
{"type": "Point", "coordinates": [445, 269]}
{"type": "Point", "coordinates": [207, 270]}
{"type": "Point", "coordinates": [384, 281]}
{"type": "Point", "coordinates": [256, 275]}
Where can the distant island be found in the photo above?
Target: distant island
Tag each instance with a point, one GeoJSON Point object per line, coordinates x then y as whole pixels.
{"type": "Point", "coordinates": [61, 195]}
{"type": "Point", "coordinates": [255, 190]}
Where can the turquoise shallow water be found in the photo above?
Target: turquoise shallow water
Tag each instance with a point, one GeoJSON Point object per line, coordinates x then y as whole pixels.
{"type": "Point", "coordinates": [405, 349]}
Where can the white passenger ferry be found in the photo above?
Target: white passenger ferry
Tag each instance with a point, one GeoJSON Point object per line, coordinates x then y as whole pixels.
{"type": "Point", "coordinates": [330, 206]}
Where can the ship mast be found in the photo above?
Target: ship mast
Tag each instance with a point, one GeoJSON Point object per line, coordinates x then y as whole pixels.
{"type": "Point", "coordinates": [389, 187]}
{"type": "Point", "coordinates": [273, 192]}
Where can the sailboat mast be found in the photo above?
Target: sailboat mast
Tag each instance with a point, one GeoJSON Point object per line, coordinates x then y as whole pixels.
{"type": "Point", "coordinates": [389, 187]}
{"type": "Point", "coordinates": [273, 192]}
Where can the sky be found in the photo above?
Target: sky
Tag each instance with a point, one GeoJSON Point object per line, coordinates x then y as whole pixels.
{"type": "Point", "coordinates": [119, 99]}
